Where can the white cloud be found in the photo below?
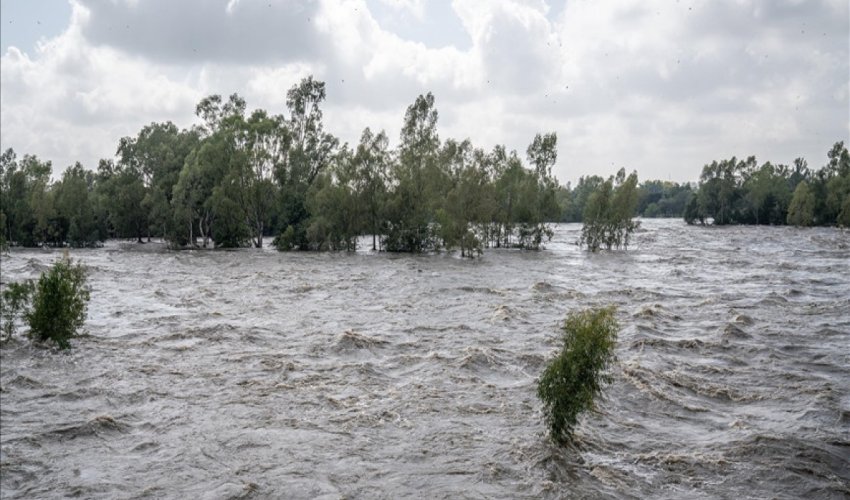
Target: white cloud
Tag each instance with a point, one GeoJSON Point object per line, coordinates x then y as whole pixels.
{"type": "Point", "coordinates": [416, 8]}
{"type": "Point", "coordinates": [644, 84]}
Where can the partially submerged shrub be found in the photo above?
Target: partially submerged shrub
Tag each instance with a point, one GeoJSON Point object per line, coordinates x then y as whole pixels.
{"type": "Point", "coordinates": [14, 305]}
{"type": "Point", "coordinates": [59, 303]}
{"type": "Point", "coordinates": [572, 380]}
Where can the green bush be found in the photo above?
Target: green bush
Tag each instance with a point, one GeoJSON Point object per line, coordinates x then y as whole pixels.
{"type": "Point", "coordinates": [14, 302]}
{"type": "Point", "coordinates": [572, 380]}
{"type": "Point", "coordinates": [59, 303]}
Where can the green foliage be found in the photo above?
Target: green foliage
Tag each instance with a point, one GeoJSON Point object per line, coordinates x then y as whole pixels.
{"type": "Point", "coordinates": [662, 199]}
{"type": "Point", "coordinates": [742, 192]}
{"type": "Point", "coordinates": [59, 303]}
{"type": "Point", "coordinates": [801, 211]}
{"type": "Point", "coordinates": [245, 175]}
{"type": "Point", "coordinates": [573, 380]}
{"type": "Point", "coordinates": [73, 202]}
{"type": "Point", "coordinates": [608, 215]}
{"type": "Point", "coordinates": [14, 305]}
{"type": "Point", "coordinates": [286, 240]}
{"type": "Point", "coordinates": [412, 206]}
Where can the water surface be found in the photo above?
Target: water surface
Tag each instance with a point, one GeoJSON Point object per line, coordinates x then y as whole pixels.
{"type": "Point", "coordinates": [255, 374]}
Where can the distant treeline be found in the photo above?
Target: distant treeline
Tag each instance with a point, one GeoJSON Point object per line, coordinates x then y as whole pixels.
{"type": "Point", "coordinates": [744, 192]}
{"type": "Point", "coordinates": [240, 177]}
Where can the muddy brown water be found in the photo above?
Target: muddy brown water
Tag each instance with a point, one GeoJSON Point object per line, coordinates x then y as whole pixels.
{"type": "Point", "coordinates": [257, 374]}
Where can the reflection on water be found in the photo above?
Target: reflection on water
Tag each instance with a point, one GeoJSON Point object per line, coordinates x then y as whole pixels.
{"type": "Point", "coordinates": [258, 374]}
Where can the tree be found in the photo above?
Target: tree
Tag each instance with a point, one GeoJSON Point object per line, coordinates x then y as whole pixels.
{"type": "Point", "coordinates": [266, 141]}
{"type": "Point", "coordinates": [416, 180]}
{"type": "Point", "coordinates": [801, 211]}
{"type": "Point", "coordinates": [212, 160]}
{"type": "Point", "coordinates": [14, 305]}
{"type": "Point", "coordinates": [27, 202]}
{"type": "Point", "coordinates": [767, 194]}
{"type": "Point", "coordinates": [335, 205]}
{"type": "Point", "coordinates": [574, 211]}
{"type": "Point", "coordinates": [572, 381]}
{"type": "Point", "coordinates": [311, 151]}
{"type": "Point", "coordinates": [73, 202]}
{"type": "Point", "coordinates": [59, 303]}
{"type": "Point", "coordinates": [469, 204]}
{"type": "Point", "coordinates": [609, 212]}
{"type": "Point", "coordinates": [123, 190]}
{"type": "Point", "coordinates": [158, 152]}
{"type": "Point", "coordinates": [371, 163]}
{"type": "Point", "coordinates": [838, 185]}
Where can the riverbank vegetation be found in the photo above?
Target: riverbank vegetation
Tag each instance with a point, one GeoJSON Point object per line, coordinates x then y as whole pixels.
{"type": "Point", "coordinates": [743, 192]}
{"type": "Point", "coordinates": [240, 177]}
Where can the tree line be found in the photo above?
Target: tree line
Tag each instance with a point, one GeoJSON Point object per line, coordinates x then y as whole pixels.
{"type": "Point", "coordinates": [239, 177]}
{"type": "Point", "coordinates": [743, 192]}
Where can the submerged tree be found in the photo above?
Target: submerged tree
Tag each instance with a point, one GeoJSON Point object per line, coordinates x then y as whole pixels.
{"type": "Point", "coordinates": [573, 380]}
{"type": "Point", "coordinates": [608, 216]}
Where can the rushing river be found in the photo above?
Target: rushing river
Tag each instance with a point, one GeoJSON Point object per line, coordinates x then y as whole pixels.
{"type": "Point", "coordinates": [258, 374]}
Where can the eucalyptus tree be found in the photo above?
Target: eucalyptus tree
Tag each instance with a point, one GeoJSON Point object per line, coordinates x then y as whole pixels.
{"type": "Point", "coordinates": [581, 194]}
{"type": "Point", "coordinates": [838, 185]}
{"type": "Point", "coordinates": [542, 153]}
{"type": "Point", "coordinates": [720, 191]}
{"type": "Point", "coordinates": [767, 194]}
{"type": "Point", "coordinates": [524, 199]}
{"type": "Point", "coordinates": [158, 152]}
{"type": "Point", "coordinates": [265, 140]}
{"type": "Point", "coordinates": [416, 179]}
{"type": "Point", "coordinates": [122, 190]}
{"type": "Point", "coordinates": [801, 210]}
{"type": "Point", "coordinates": [371, 163]}
{"type": "Point", "coordinates": [469, 205]}
{"type": "Point", "coordinates": [74, 206]}
{"type": "Point", "coordinates": [310, 152]}
{"type": "Point", "coordinates": [193, 210]}
{"type": "Point", "coordinates": [27, 203]}
{"type": "Point", "coordinates": [335, 206]}
{"type": "Point", "coordinates": [608, 216]}
{"type": "Point", "coordinates": [213, 189]}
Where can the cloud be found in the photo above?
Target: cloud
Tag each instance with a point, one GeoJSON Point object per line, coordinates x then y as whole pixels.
{"type": "Point", "coordinates": [415, 8]}
{"type": "Point", "coordinates": [649, 84]}
{"type": "Point", "coordinates": [193, 31]}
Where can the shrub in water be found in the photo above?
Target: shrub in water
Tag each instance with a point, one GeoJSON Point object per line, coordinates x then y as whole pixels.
{"type": "Point", "coordinates": [14, 301]}
{"type": "Point", "coordinates": [573, 379]}
{"type": "Point", "coordinates": [59, 303]}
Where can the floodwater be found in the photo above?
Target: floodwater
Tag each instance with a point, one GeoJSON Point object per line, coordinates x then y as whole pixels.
{"type": "Point", "coordinates": [257, 374]}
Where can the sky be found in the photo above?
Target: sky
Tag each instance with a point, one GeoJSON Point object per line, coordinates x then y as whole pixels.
{"type": "Point", "coordinates": [658, 86]}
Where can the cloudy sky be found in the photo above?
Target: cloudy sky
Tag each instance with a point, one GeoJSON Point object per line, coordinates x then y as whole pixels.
{"type": "Point", "coordinates": [661, 86]}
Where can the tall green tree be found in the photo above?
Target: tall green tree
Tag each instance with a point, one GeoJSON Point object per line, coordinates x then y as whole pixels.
{"type": "Point", "coordinates": [416, 179]}
{"type": "Point", "coordinates": [608, 216]}
{"type": "Point", "coordinates": [158, 153]}
{"type": "Point", "coordinates": [801, 211]}
{"type": "Point", "coordinates": [123, 189]}
{"type": "Point", "coordinates": [311, 152]}
{"type": "Point", "coordinates": [371, 162]}
{"type": "Point", "coordinates": [73, 203]}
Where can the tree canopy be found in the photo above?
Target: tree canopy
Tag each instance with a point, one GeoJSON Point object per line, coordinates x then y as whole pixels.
{"type": "Point", "coordinates": [242, 176]}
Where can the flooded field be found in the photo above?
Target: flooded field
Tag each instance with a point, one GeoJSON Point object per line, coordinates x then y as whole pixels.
{"type": "Point", "coordinates": [257, 374]}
